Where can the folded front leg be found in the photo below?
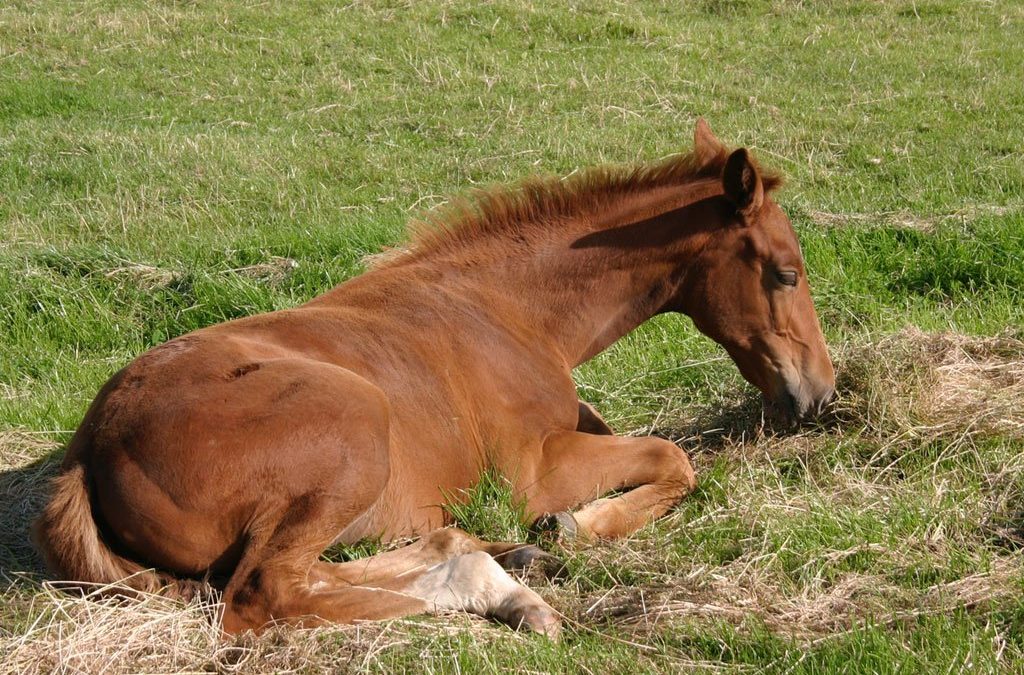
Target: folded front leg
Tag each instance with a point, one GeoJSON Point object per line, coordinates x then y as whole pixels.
{"type": "Point", "coordinates": [577, 468]}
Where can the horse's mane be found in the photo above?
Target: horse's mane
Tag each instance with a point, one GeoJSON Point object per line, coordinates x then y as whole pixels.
{"type": "Point", "coordinates": [522, 211]}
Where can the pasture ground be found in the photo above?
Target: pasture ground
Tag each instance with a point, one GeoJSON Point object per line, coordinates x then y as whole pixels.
{"type": "Point", "coordinates": [166, 165]}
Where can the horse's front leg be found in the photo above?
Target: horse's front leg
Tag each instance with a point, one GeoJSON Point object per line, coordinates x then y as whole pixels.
{"type": "Point", "coordinates": [577, 468]}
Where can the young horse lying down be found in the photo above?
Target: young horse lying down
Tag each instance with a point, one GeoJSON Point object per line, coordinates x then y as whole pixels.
{"type": "Point", "coordinates": [243, 450]}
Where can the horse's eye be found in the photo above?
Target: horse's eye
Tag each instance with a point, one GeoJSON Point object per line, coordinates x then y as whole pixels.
{"type": "Point", "coordinates": [787, 277]}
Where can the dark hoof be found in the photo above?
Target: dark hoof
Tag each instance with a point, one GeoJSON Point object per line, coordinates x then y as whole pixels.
{"type": "Point", "coordinates": [531, 560]}
{"type": "Point", "coordinates": [560, 527]}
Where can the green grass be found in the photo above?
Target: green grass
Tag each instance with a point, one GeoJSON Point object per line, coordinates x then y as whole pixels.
{"type": "Point", "coordinates": [168, 165]}
{"type": "Point", "coordinates": [491, 510]}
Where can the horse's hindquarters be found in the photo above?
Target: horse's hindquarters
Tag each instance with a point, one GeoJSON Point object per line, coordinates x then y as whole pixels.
{"type": "Point", "coordinates": [187, 477]}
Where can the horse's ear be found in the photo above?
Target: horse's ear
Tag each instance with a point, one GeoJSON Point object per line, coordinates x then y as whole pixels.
{"type": "Point", "coordinates": [742, 183]}
{"type": "Point", "coordinates": [706, 147]}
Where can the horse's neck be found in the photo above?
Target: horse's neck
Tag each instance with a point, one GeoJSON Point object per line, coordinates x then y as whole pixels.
{"type": "Point", "coordinates": [580, 286]}
{"type": "Point", "coordinates": [597, 283]}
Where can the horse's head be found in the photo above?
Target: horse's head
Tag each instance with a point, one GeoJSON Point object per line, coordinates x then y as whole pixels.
{"type": "Point", "coordinates": [747, 290]}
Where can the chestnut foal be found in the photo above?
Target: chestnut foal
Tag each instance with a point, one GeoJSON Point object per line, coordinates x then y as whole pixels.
{"type": "Point", "coordinates": [243, 450]}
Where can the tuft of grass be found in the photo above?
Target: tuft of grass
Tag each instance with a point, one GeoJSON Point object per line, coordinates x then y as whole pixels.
{"type": "Point", "coordinates": [490, 510]}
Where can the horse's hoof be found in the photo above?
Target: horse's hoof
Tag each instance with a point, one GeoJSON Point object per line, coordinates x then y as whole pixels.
{"type": "Point", "coordinates": [561, 526]}
{"type": "Point", "coordinates": [544, 620]}
{"type": "Point", "coordinates": [530, 560]}
{"type": "Point", "coordinates": [530, 612]}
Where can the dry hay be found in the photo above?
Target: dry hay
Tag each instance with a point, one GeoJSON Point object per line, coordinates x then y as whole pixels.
{"type": "Point", "coordinates": [18, 447]}
{"type": "Point", "coordinates": [99, 633]}
{"type": "Point", "coordinates": [749, 590]}
{"type": "Point", "coordinates": [274, 270]}
{"type": "Point", "coordinates": [906, 219]}
{"type": "Point", "coordinates": [9, 393]}
{"type": "Point", "coordinates": [63, 633]}
{"type": "Point", "coordinates": [932, 384]}
{"type": "Point", "coordinates": [385, 256]}
{"type": "Point", "coordinates": [904, 389]}
{"type": "Point", "coordinates": [897, 395]}
{"type": "Point", "coordinates": [146, 277]}
{"type": "Point", "coordinates": [977, 381]}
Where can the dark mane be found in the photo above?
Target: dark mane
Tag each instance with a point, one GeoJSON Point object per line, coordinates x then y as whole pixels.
{"type": "Point", "coordinates": [532, 206]}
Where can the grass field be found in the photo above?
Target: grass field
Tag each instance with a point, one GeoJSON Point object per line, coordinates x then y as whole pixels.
{"type": "Point", "coordinates": [167, 165]}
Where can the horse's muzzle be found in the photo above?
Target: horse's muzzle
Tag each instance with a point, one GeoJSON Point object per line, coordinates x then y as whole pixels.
{"type": "Point", "coordinates": [792, 408]}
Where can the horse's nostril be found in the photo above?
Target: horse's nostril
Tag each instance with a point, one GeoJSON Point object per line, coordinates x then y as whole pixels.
{"type": "Point", "coordinates": [790, 405]}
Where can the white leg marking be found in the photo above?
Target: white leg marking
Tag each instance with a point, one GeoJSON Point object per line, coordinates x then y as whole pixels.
{"type": "Point", "coordinates": [474, 583]}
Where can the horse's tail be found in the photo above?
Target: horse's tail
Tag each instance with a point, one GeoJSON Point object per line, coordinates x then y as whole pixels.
{"type": "Point", "coordinates": [70, 540]}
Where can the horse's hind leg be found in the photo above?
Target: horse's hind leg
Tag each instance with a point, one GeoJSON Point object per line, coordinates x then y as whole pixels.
{"type": "Point", "coordinates": [436, 547]}
{"type": "Point", "coordinates": [476, 583]}
{"type": "Point", "coordinates": [335, 469]}
{"type": "Point", "coordinates": [281, 580]}
{"type": "Point", "coordinates": [273, 583]}
{"type": "Point", "coordinates": [451, 569]}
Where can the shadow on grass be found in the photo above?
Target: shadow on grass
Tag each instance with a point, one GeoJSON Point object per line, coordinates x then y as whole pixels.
{"type": "Point", "coordinates": [712, 429]}
{"type": "Point", "coordinates": [23, 491]}
{"type": "Point", "coordinates": [742, 421]}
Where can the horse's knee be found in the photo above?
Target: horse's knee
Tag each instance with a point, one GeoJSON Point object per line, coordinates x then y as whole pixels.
{"type": "Point", "coordinates": [685, 472]}
{"type": "Point", "coordinates": [673, 466]}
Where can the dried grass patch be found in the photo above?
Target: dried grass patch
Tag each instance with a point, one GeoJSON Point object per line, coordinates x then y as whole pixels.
{"type": "Point", "coordinates": [274, 270]}
{"type": "Point", "coordinates": [917, 385]}
{"type": "Point", "coordinates": [979, 382]}
{"type": "Point", "coordinates": [385, 256]}
{"type": "Point", "coordinates": [751, 590]}
{"type": "Point", "coordinates": [838, 607]}
{"type": "Point", "coordinates": [146, 277]}
{"type": "Point", "coordinates": [908, 403]}
{"type": "Point", "coordinates": [93, 634]}
{"type": "Point", "coordinates": [63, 633]}
{"type": "Point", "coordinates": [897, 392]}
{"type": "Point", "coordinates": [10, 393]}
{"type": "Point", "coordinates": [906, 219]}
{"type": "Point", "coordinates": [17, 447]}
